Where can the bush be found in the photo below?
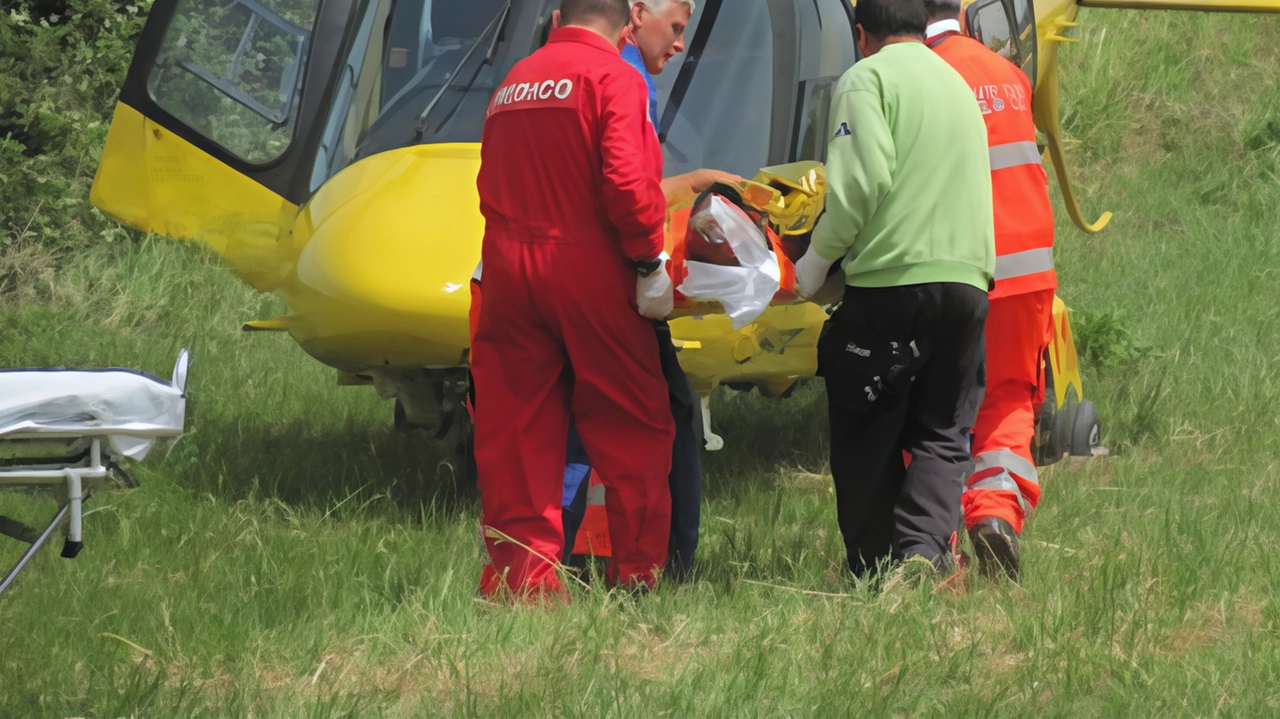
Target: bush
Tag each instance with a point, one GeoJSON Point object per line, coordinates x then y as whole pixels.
{"type": "Point", "coordinates": [62, 63]}
{"type": "Point", "coordinates": [1103, 339]}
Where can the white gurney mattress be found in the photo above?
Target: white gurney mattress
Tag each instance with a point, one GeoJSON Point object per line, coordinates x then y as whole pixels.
{"type": "Point", "coordinates": [129, 408]}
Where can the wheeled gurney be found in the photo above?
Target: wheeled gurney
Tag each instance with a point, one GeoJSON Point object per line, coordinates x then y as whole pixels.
{"type": "Point", "coordinates": [63, 431]}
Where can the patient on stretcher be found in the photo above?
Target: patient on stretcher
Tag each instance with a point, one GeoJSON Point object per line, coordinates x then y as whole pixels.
{"type": "Point", "coordinates": [734, 248]}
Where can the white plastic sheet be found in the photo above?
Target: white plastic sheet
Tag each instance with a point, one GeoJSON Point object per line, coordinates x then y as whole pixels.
{"type": "Point", "coordinates": [129, 408]}
{"type": "Point", "coordinates": [745, 291]}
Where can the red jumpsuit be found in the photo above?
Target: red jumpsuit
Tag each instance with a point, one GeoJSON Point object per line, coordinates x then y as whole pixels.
{"type": "Point", "coordinates": [1020, 320]}
{"type": "Point", "coordinates": [570, 191]}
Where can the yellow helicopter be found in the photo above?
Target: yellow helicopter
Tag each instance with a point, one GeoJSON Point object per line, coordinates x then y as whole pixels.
{"type": "Point", "coordinates": [328, 149]}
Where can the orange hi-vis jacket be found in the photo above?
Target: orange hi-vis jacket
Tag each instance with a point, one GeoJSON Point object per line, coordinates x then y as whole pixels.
{"type": "Point", "coordinates": [1019, 185]}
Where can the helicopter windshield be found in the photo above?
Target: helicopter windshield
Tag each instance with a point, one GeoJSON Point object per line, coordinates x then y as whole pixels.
{"type": "Point", "coordinates": [419, 71]}
{"type": "Point", "coordinates": [408, 52]}
{"type": "Point", "coordinates": [714, 99]}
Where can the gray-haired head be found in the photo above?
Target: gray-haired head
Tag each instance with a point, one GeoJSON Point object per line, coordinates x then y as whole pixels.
{"type": "Point", "coordinates": [942, 9]}
{"type": "Point", "coordinates": [660, 5]}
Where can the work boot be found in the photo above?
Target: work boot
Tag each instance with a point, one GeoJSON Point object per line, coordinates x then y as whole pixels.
{"type": "Point", "coordinates": [996, 546]}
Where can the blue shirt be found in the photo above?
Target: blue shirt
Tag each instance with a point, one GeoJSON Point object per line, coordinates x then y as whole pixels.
{"type": "Point", "coordinates": [632, 55]}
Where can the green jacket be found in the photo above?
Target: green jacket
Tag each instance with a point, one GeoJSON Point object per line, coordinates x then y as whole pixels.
{"type": "Point", "coordinates": [908, 175]}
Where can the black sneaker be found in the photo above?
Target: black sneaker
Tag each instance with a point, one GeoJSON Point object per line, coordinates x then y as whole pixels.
{"type": "Point", "coordinates": [996, 546]}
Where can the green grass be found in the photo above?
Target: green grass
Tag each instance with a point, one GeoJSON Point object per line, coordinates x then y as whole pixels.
{"type": "Point", "coordinates": [292, 557]}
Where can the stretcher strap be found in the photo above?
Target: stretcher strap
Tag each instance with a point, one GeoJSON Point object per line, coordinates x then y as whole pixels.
{"type": "Point", "coordinates": [787, 270]}
{"type": "Point", "coordinates": [677, 232]}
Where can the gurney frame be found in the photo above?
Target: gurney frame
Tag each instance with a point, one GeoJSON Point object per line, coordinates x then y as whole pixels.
{"type": "Point", "coordinates": [72, 484]}
{"type": "Point", "coordinates": [74, 460]}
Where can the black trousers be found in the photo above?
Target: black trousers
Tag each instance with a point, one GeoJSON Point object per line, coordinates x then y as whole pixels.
{"type": "Point", "coordinates": [685, 479]}
{"type": "Point", "coordinates": [904, 368]}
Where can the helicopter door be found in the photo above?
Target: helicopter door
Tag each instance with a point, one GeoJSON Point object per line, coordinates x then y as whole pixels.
{"type": "Point", "coordinates": [1024, 22]}
{"type": "Point", "coordinates": [218, 122]}
{"type": "Point", "coordinates": [828, 48]}
{"type": "Point", "coordinates": [1008, 27]}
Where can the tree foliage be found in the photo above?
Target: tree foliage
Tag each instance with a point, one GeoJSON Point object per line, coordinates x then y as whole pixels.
{"type": "Point", "coordinates": [62, 63]}
{"type": "Point", "coordinates": [221, 60]}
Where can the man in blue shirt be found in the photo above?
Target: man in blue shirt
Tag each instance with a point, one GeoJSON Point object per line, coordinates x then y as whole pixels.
{"type": "Point", "coordinates": [660, 26]}
{"type": "Point", "coordinates": [631, 53]}
{"type": "Point", "coordinates": [654, 37]}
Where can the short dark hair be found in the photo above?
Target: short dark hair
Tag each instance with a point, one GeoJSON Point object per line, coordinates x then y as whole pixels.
{"type": "Point", "coordinates": [942, 9]}
{"type": "Point", "coordinates": [885, 18]}
{"type": "Point", "coordinates": [577, 12]}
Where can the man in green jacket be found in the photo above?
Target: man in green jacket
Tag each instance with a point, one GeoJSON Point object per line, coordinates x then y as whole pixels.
{"type": "Point", "coordinates": [909, 214]}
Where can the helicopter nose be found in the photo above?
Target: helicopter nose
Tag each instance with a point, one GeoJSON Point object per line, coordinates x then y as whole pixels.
{"type": "Point", "coordinates": [390, 246]}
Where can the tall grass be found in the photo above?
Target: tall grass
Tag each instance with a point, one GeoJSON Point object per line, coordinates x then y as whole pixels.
{"type": "Point", "coordinates": [292, 556]}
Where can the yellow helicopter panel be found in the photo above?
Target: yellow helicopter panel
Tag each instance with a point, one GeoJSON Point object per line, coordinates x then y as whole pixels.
{"type": "Point", "coordinates": [400, 304]}
{"type": "Point", "coordinates": [157, 181]}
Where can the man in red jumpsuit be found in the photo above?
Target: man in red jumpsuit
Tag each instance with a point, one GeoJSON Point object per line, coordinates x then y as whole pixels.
{"type": "Point", "coordinates": [1004, 487]}
{"type": "Point", "coordinates": [569, 189]}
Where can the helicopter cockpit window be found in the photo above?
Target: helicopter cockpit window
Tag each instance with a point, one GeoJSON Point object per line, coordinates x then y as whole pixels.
{"type": "Point", "coordinates": [1025, 20]}
{"type": "Point", "coordinates": [422, 71]}
{"type": "Point", "coordinates": [721, 118]}
{"type": "Point", "coordinates": [356, 97]}
{"type": "Point", "coordinates": [233, 71]}
{"type": "Point", "coordinates": [814, 119]}
{"type": "Point", "coordinates": [428, 38]}
{"type": "Point", "coordinates": [419, 71]}
{"type": "Point", "coordinates": [989, 22]}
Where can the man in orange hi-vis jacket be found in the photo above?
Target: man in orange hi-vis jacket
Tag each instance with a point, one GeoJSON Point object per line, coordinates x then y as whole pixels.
{"type": "Point", "coordinates": [1004, 487]}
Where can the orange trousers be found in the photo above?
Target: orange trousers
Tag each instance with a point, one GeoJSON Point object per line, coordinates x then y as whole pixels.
{"type": "Point", "coordinates": [1004, 483]}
